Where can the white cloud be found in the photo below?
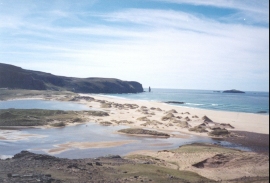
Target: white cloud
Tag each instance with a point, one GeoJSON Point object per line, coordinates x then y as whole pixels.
{"type": "Point", "coordinates": [251, 10]}
{"type": "Point", "coordinates": [161, 48]}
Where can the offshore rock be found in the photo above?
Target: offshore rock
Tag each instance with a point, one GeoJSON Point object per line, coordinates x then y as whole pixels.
{"type": "Point", "coordinates": [233, 91]}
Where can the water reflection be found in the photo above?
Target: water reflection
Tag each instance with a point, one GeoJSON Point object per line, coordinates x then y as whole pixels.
{"type": "Point", "coordinates": [41, 104]}
{"type": "Point", "coordinates": [91, 132]}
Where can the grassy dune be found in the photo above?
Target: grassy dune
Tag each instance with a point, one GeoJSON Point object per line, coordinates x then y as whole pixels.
{"type": "Point", "coordinates": [40, 117]}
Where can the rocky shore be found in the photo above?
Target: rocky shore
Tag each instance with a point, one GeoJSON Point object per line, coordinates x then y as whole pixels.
{"type": "Point", "coordinates": [27, 167]}
{"type": "Point", "coordinates": [191, 163]}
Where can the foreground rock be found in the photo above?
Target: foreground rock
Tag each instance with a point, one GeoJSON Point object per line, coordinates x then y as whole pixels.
{"type": "Point", "coordinates": [28, 167]}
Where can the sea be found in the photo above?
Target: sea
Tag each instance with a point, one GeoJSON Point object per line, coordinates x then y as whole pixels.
{"type": "Point", "coordinates": [248, 102]}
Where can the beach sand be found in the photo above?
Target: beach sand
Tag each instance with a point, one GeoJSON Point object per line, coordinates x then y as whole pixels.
{"type": "Point", "coordinates": [257, 123]}
{"type": "Point", "coordinates": [85, 145]}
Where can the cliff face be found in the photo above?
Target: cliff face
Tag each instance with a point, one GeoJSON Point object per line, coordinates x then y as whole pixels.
{"type": "Point", "coordinates": [17, 78]}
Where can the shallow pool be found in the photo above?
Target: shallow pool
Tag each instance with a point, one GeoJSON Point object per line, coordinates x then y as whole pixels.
{"type": "Point", "coordinates": [41, 104]}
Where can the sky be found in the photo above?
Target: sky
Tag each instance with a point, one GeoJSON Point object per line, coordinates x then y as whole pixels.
{"type": "Point", "coordinates": [183, 44]}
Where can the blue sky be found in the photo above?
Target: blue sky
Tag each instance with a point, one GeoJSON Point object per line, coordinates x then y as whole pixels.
{"type": "Point", "coordinates": [186, 44]}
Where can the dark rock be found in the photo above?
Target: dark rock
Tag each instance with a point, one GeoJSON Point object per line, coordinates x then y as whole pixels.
{"type": "Point", "coordinates": [262, 112]}
{"type": "Point", "coordinates": [174, 102]}
{"type": "Point", "coordinates": [113, 156]}
{"type": "Point", "coordinates": [98, 164]}
{"type": "Point", "coordinates": [233, 91]}
{"type": "Point", "coordinates": [72, 166]}
{"type": "Point", "coordinates": [27, 154]}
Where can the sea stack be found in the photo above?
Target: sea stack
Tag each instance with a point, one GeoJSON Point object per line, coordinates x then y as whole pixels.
{"type": "Point", "coordinates": [149, 89]}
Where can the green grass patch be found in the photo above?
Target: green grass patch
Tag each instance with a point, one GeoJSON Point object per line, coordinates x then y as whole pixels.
{"type": "Point", "coordinates": [59, 124]}
{"type": "Point", "coordinates": [35, 117]}
{"type": "Point", "coordinates": [139, 131]}
{"type": "Point", "coordinates": [197, 148]}
{"type": "Point", "coordinates": [146, 172]}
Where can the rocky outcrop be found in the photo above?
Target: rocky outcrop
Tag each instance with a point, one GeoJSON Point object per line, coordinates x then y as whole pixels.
{"type": "Point", "coordinates": [233, 91]}
{"type": "Point", "coordinates": [174, 102]}
{"type": "Point", "coordinates": [14, 77]}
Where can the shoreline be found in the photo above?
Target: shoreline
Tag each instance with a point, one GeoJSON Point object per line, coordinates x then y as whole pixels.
{"type": "Point", "coordinates": [108, 96]}
{"type": "Point", "coordinates": [215, 115]}
{"type": "Point", "coordinates": [171, 104]}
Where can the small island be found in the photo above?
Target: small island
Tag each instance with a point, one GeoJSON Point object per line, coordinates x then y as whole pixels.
{"type": "Point", "coordinates": [233, 91]}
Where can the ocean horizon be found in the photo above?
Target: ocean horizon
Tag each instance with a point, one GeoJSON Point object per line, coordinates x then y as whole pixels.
{"type": "Point", "coordinates": [248, 102]}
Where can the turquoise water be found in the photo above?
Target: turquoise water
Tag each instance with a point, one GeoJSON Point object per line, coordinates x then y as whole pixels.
{"type": "Point", "coordinates": [249, 102]}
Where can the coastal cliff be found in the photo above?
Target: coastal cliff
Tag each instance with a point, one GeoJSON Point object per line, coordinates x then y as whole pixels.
{"type": "Point", "coordinates": [14, 77]}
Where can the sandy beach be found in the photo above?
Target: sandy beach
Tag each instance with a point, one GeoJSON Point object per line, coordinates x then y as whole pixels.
{"type": "Point", "coordinates": [249, 122]}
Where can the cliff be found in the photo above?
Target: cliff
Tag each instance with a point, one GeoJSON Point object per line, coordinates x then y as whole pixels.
{"type": "Point", "coordinates": [14, 77]}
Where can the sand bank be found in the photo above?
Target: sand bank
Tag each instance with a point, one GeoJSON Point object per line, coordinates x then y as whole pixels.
{"type": "Point", "coordinates": [86, 145]}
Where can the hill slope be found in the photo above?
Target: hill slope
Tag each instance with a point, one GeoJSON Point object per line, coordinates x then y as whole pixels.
{"type": "Point", "coordinates": [14, 77]}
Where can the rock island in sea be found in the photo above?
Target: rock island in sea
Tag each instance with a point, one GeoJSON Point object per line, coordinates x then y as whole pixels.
{"type": "Point", "coordinates": [233, 91]}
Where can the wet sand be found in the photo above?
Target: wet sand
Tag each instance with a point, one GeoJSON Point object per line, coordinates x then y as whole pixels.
{"type": "Point", "coordinates": [257, 142]}
{"type": "Point", "coordinates": [86, 145]}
